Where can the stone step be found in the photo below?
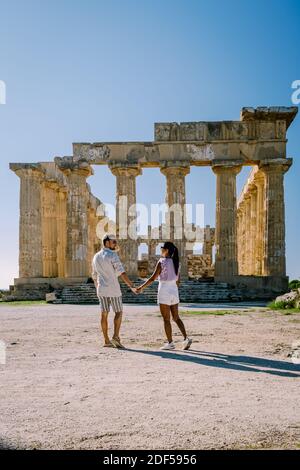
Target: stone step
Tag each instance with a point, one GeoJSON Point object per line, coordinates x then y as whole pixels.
{"type": "Point", "coordinates": [189, 291]}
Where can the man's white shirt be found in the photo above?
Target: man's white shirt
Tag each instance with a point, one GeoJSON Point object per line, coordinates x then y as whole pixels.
{"type": "Point", "coordinates": [106, 268]}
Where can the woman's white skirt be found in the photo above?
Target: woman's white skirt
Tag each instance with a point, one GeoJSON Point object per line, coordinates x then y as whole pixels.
{"type": "Point", "coordinates": [167, 293]}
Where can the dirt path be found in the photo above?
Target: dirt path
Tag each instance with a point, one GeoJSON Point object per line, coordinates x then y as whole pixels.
{"type": "Point", "coordinates": [237, 388]}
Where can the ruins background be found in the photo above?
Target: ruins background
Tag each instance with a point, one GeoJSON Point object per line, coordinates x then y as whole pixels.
{"type": "Point", "coordinates": [58, 212]}
{"type": "Point", "coordinates": [104, 84]}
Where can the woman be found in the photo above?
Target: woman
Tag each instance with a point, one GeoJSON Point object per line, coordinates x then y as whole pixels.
{"type": "Point", "coordinates": [167, 270]}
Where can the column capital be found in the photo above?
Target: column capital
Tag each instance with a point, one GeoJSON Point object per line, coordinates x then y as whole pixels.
{"type": "Point", "coordinates": [125, 169]}
{"type": "Point", "coordinates": [231, 166]}
{"type": "Point", "coordinates": [34, 170]}
{"type": "Point", "coordinates": [176, 168]}
{"type": "Point", "coordinates": [275, 165]}
{"type": "Point", "coordinates": [68, 166]}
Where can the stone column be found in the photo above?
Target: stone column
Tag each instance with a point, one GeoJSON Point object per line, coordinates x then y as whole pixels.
{"type": "Point", "coordinates": [260, 216]}
{"type": "Point", "coordinates": [274, 227]}
{"type": "Point", "coordinates": [247, 245]}
{"type": "Point", "coordinates": [30, 224]}
{"type": "Point", "coordinates": [244, 238]}
{"type": "Point", "coordinates": [76, 174]}
{"type": "Point", "coordinates": [226, 265]}
{"type": "Point", "coordinates": [253, 228]}
{"type": "Point", "coordinates": [49, 228]}
{"type": "Point", "coordinates": [126, 229]}
{"type": "Point", "coordinates": [92, 224]}
{"type": "Point", "coordinates": [239, 237]}
{"type": "Point", "coordinates": [61, 217]}
{"type": "Point", "coordinates": [175, 173]}
{"type": "Point", "coordinates": [152, 258]}
{"type": "Point", "coordinates": [207, 242]}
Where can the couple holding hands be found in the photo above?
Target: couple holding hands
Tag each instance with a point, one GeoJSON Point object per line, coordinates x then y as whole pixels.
{"type": "Point", "coordinates": [107, 268]}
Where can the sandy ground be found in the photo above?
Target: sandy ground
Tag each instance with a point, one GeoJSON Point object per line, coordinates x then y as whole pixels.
{"type": "Point", "coordinates": [236, 388]}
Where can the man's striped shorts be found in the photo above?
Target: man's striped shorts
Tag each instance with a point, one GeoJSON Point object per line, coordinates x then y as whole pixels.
{"type": "Point", "coordinates": [115, 302]}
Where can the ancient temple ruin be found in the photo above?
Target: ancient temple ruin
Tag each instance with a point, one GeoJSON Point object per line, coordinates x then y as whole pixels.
{"type": "Point", "coordinates": [58, 212]}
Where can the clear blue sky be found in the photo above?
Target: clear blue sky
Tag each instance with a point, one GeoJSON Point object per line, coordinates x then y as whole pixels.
{"type": "Point", "coordinates": [92, 70]}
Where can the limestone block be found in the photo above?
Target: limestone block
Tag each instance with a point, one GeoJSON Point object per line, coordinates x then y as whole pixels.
{"type": "Point", "coordinates": [288, 300]}
{"type": "Point", "coordinates": [51, 297]}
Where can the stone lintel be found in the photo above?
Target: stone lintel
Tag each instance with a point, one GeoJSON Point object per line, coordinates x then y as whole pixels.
{"type": "Point", "coordinates": [270, 114]}
{"type": "Point", "coordinates": [242, 131]}
{"type": "Point", "coordinates": [195, 153]}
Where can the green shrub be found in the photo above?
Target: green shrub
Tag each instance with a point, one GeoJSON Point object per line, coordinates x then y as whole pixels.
{"type": "Point", "coordinates": [278, 305]}
{"type": "Point", "coordinates": [294, 284]}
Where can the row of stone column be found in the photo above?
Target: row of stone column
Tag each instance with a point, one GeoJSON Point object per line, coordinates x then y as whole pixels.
{"type": "Point", "coordinates": [57, 226]}
{"type": "Point", "coordinates": [126, 191]}
{"type": "Point", "coordinates": [261, 221]}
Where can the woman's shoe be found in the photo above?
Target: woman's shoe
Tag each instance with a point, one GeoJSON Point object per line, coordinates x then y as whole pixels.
{"type": "Point", "coordinates": [187, 343]}
{"type": "Point", "coordinates": [168, 346]}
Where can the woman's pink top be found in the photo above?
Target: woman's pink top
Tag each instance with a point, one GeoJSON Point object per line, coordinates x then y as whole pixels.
{"type": "Point", "coordinates": [167, 270]}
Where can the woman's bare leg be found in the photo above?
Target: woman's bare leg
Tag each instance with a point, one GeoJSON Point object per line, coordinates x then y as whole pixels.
{"type": "Point", "coordinates": [165, 312]}
{"type": "Point", "coordinates": [177, 320]}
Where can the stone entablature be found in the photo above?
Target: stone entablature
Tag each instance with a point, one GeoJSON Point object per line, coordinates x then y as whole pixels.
{"type": "Point", "coordinates": [261, 133]}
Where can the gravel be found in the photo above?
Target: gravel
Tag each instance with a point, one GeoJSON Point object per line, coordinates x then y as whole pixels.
{"type": "Point", "coordinates": [237, 387]}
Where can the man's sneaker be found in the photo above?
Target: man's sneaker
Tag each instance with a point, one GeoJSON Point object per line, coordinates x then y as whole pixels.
{"type": "Point", "coordinates": [187, 343]}
{"type": "Point", "coordinates": [168, 346]}
{"type": "Point", "coordinates": [117, 343]}
{"type": "Point", "coordinates": [108, 345]}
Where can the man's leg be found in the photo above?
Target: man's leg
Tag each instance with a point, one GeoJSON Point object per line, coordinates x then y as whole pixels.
{"type": "Point", "coordinates": [104, 327]}
{"type": "Point", "coordinates": [117, 306]}
{"type": "Point", "coordinates": [117, 324]}
{"type": "Point", "coordinates": [104, 319]}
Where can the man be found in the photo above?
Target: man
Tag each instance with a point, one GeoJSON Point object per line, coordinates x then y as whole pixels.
{"type": "Point", "coordinates": [106, 268]}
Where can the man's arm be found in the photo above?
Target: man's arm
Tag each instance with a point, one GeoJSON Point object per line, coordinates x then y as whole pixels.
{"type": "Point", "coordinates": [94, 274]}
{"type": "Point", "coordinates": [120, 271]}
{"type": "Point", "coordinates": [126, 279]}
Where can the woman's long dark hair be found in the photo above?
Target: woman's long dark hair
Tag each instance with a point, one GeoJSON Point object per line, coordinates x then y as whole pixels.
{"type": "Point", "coordinates": [173, 253]}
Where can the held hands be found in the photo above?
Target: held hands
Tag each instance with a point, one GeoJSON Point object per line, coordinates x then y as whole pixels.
{"type": "Point", "coordinates": [136, 290]}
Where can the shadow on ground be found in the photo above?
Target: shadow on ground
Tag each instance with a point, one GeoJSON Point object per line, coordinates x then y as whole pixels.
{"type": "Point", "coordinates": [4, 445]}
{"type": "Point", "coordinates": [224, 361]}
